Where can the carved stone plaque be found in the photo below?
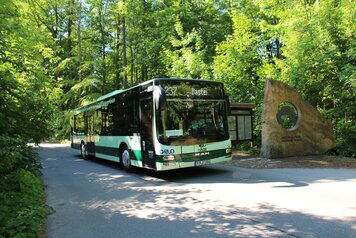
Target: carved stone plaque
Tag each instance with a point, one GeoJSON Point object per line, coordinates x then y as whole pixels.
{"type": "Point", "coordinates": [290, 125]}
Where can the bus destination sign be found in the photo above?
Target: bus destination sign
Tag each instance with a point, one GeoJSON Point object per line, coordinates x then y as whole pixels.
{"type": "Point", "coordinates": [191, 90]}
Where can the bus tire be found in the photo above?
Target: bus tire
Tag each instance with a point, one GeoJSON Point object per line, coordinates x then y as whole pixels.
{"type": "Point", "coordinates": [83, 151]}
{"type": "Point", "coordinates": [126, 160]}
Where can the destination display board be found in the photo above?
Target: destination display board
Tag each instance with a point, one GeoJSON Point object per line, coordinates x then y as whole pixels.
{"type": "Point", "coordinates": [192, 89]}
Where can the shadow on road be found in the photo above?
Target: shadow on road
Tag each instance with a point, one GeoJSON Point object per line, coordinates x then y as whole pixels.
{"type": "Point", "coordinates": [103, 201]}
{"type": "Point", "coordinates": [210, 174]}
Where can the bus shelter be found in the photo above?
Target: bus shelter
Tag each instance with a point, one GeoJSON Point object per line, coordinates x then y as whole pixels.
{"type": "Point", "coordinates": [240, 122]}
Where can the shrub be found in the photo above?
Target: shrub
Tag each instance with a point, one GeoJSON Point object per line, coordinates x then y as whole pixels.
{"type": "Point", "coordinates": [22, 209]}
{"type": "Point", "coordinates": [346, 143]}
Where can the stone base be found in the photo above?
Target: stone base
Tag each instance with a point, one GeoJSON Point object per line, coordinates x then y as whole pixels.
{"type": "Point", "coordinates": [304, 132]}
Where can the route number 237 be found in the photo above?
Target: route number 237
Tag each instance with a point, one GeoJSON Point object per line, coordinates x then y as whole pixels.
{"type": "Point", "coordinates": [170, 91]}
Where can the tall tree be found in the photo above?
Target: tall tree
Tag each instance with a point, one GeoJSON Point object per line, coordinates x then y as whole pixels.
{"type": "Point", "coordinates": [124, 47]}
{"type": "Point", "coordinates": [26, 85]}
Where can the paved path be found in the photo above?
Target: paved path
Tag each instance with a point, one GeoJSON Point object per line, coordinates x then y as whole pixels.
{"type": "Point", "coordinates": [97, 199]}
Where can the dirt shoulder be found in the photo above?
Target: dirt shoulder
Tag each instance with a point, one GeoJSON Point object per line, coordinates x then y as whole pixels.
{"type": "Point", "coordinates": [318, 161]}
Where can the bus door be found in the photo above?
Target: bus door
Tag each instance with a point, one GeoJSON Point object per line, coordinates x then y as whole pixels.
{"type": "Point", "coordinates": [146, 116]}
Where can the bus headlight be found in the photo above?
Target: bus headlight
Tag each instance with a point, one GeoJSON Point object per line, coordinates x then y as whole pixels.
{"type": "Point", "coordinates": [168, 157]}
{"type": "Point", "coordinates": [228, 151]}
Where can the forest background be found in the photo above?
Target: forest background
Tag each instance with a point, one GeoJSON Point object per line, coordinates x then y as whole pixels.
{"type": "Point", "coordinates": [56, 55]}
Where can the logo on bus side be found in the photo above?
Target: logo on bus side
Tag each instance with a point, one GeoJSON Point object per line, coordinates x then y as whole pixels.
{"type": "Point", "coordinates": [202, 153]}
{"type": "Point", "coordinates": [202, 148]}
{"type": "Point", "coordinates": [167, 151]}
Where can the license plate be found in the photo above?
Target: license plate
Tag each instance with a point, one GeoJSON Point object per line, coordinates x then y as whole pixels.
{"type": "Point", "coordinates": [202, 162]}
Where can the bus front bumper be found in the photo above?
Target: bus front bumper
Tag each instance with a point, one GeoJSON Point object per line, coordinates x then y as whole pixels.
{"type": "Point", "coordinates": [161, 166]}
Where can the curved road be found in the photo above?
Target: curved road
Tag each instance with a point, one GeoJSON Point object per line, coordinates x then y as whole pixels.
{"type": "Point", "coordinates": [97, 199]}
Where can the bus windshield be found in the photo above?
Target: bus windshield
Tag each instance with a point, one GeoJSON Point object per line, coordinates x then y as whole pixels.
{"type": "Point", "coordinates": [191, 116]}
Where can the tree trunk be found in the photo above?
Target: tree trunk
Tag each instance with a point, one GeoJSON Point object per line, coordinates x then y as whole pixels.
{"type": "Point", "coordinates": [124, 46]}
{"type": "Point", "coordinates": [69, 30]}
{"type": "Point", "coordinates": [80, 42]}
{"type": "Point", "coordinates": [132, 64]}
{"type": "Point", "coordinates": [116, 56]}
{"type": "Point", "coordinates": [103, 54]}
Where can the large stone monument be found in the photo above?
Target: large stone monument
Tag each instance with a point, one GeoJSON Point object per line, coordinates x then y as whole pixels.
{"type": "Point", "coordinates": [291, 126]}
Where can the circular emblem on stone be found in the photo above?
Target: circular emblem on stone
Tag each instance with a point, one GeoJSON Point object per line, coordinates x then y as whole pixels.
{"type": "Point", "coordinates": [287, 116]}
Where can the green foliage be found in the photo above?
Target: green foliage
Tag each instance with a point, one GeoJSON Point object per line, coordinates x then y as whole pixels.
{"type": "Point", "coordinates": [238, 63]}
{"type": "Point", "coordinates": [309, 45]}
{"type": "Point", "coordinates": [58, 131]}
{"type": "Point", "coordinates": [198, 27]}
{"type": "Point", "coordinates": [186, 60]}
{"type": "Point", "coordinates": [16, 154]}
{"type": "Point", "coordinates": [26, 106]}
{"type": "Point", "coordinates": [22, 210]}
{"type": "Point", "coordinates": [346, 143]}
{"type": "Point", "coordinates": [58, 55]}
{"type": "Point", "coordinates": [25, 85]}
{"type": "Point", "coordinates": [105, 45]}
{"type": "Point", "coordinates": [247, 148]}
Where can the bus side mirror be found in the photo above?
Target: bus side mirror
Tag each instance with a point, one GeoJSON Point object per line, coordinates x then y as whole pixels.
{"type": "Point", "coordinates": [159, 98]}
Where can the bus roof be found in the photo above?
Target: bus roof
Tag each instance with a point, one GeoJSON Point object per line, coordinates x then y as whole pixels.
{"type": "Point", "coordinates": [101, 100]}
{"type": "Point", "coordinates": [186, 79]}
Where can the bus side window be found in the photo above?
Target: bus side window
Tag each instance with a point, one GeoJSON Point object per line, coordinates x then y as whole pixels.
{"type": "Point", "coordinates": [97, 122]}
{"type": "Point", "coordinates": [119, 113]}
{"type": "Point", "coordinates": [79, 123]}
{"type": "Point", "coordinates": [110, 120]}
{"type": "Point", "coordinates": [89, 121]}
{"type": "Point", "coordinates": [107, 124]}
{"type": "Point", "coordinates": [103, 130]}
{"type": "Point", "coordinates": [129, 120]}
{"type": "Point", "coordinates": [135, 111]}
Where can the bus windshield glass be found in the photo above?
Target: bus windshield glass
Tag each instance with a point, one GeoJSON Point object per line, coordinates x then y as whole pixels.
{"type": "Point", "coordinates": [195, 113]}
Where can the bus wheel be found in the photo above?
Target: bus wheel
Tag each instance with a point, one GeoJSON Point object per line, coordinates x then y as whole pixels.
{"type": "Point", "coordinates": [126, 160]}
{"type": "Point", "coordinates": [83, 151]}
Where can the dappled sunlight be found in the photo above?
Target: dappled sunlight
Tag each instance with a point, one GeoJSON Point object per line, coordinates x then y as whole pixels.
{"type": "Point", "coordinates": [111, 181]}
{"type": "Point", "coordinates": [217, 201]}
{"type": "Point", "coordinates": [218, 208]}
{"type": "Point", "coordinates": [79, 160]}
{"type": "Point", "coordinates": [106, 177]}
{"type": "Point", "coordinates": [50, 159]}
{"type": "Point", "coordinates": [179, 205]}
{"type": "Point", "coordinates": [78, 173]}
{"type": "Point", "coordinates": [53, 145]}
{"type": "Point", "coordinates": [211, 201]}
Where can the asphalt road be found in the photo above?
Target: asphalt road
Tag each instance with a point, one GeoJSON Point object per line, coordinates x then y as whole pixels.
{"type": "Point", "coordinates": [97, 199]}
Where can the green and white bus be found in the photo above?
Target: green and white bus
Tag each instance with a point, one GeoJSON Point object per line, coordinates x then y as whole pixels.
{"type": "Point", "coordinates": [161, 124]}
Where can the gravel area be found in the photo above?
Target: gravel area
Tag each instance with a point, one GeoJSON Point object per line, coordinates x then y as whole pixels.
{"type": "Point", "coordinates": [317, 161]}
